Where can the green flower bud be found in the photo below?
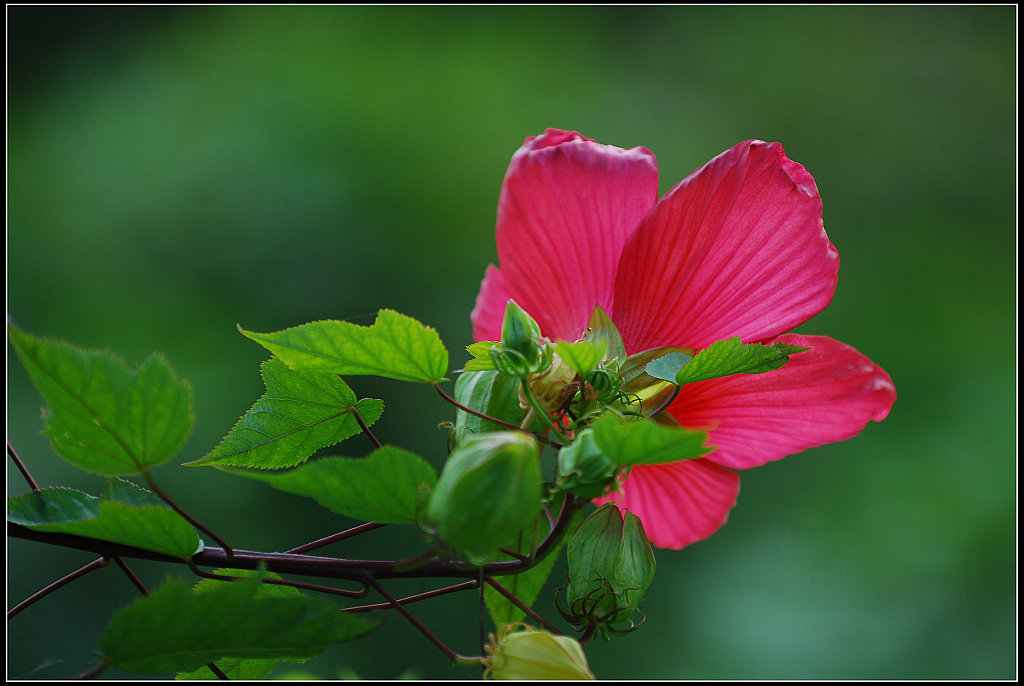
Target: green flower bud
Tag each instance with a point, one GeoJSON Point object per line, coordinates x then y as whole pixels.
{"type": "Point", "coordinates": [489, 489]}
{"type": "Point", "coordinates": [522, 351]}
{"type": "Point", "coordinates": [583, 469]}
{"type": "Point", "coordinates": [611, 564]}
{"type": "Point", "coordinates": [553, 387]}
{"type": "Point", "coordinates": [532, 654]}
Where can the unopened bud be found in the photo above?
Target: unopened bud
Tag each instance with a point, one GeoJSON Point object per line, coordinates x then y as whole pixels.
{"type": "Point", "coordinates": [522, 351]}
{"type": "Point", "coordinates": [611, 564]}
{"type": "Point", "coordinates": [553, 387]}
{"type": "Point", "coordinates": [532, 654]}
{"type": "Point", "coordinates": [489, 490]}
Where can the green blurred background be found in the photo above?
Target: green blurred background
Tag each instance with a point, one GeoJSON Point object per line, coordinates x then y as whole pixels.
{"type": "Point", "coordinates": [173, 171]}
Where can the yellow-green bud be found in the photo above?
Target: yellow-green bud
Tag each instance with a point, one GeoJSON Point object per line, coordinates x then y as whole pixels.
{"type": "Point", "coordinates": [553, 387]}
{"type": "Point", "coordinates": [532, 654]}
{"type": "Point", "coordinates": [489, 490]}
{"type": "Point", "coordinates": [611, 564]}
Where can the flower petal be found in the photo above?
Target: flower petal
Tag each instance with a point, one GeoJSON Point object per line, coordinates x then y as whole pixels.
{"type": "Point", "coordinates": [736, 249]}
{"type": "Point", "coordinates": [489, 312]}
{"type": "Point", "coordinates": [679, 502]}
{"type": "Point", "coordinates": [826, 394]}
{"type": "Point", "coordinates": [567, 206]}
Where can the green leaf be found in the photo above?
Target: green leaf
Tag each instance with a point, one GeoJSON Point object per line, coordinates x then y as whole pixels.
{"type": "Point", "coordinates": [602, 328]}
{"type": "Point", "coordinates": [102, 417]}
{"type": "Point", "coordinates": [646, 442]}
{"type": "Point", "coordinates": [301, 412]}
{"type": "Point", "coordinates": [494, 394]}
{"type": "Point", "coordinates": [582, 356]}
{"type": "Point", "coordinates": [125, 514]}
{"type": "Point", "coordinates": [482, 359]}
{"type": "Point", "coordinates": [178, 629]}
{"type": "Point", "coordinates": [731, 356]}
{"type": "Point", "coordinates": [385, 487]}
{"type": "Point", "coordinates": [395, 346]}
{"type": "Point", "coordinates": [235, 668]}
{"type": "Point", "coordinates": [667, 366]}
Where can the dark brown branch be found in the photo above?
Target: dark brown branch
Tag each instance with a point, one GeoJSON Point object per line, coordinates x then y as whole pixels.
{"type": "Point", "coordinates": [59, 583]}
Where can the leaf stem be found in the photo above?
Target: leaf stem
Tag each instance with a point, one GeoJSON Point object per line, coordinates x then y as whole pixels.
{"type": "Point", "coordinates": [21, 467]}
{"type": "Point", "coordinates": [448, 652]}
{"type": "Point", "coordinates": [167, 499]}
{"type": "Point", "coordinates": [334, 538]}
{"type": "Point", "coordinates": [364, 427]}
{"type": "Point", "coordinates": [59, 583]}
{"type": "Point", "coordinates": [520, 604]}
{"type": "Point", "coordinates": [495, 420]}
{"type": "Point", "coordinates": [361, 593]}
{"type": "Point", "coordinates": [464, 586]}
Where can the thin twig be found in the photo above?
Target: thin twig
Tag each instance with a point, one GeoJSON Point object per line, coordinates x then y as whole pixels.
{"type": "Point", "coordinates": [520, 604]}
{"type": "Point", "coordinates": [194, 522]}
{"type": "Point", "coordinates": [131, 576]}
{"type": "Point", "coordinates": [59, 583]}
{"type": "Point", "coordinates": [465, 585]}
{"type": "Point", "coordinates": [21, 467]}
{"type": "Point", "coordinates": [361, 593]}
{"type": "Point", "coordinates": [334, 538]}
{"type": "Point", "coordinates": [448, 652]}
{"type": "Point", "coordinates": [365, 428]}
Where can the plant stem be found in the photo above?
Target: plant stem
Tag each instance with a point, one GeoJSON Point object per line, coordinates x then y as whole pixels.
{"type": "Point", "coordinates": [59, 583]}
{"type": "Point", "coordinates": [668, 401]}
{"type": "Point", "coordinates": [521, 605]}
{"type": "Point", "coordinates": [21, 467]}
{"type": "Point", "coordinates": [365, 428]}
{"type": "Point", "coordinates": [167, 499]}
{"type": "Point", "coordinates": [495, 420]}
{"type": "Point", "coordinates": [334, 538]}
{"type": "Point", "coordinates": [465, 585]}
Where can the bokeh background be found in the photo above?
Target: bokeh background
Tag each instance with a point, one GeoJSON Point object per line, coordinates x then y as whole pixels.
{"type": "Point", "coordinates": [173, 171]}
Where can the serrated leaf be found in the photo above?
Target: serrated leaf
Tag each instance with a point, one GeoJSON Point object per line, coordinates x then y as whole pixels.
{"type": "Point", "coordinates": [235, 668]}
{"type": "Point", "coordinates": [103, 417]}
{"type": "Point", "coordinates": [491, 393]}
{"type": "Point", "coordinates": [482, 360]}
{"type": "Point", "coordinates": [582, 356]}
{"type": "Point", "coordinates": [645, 442]}
{"type": "Point", "coordinates": [384, 487]}
{"type": "Point", "coordinates": [667, 366]}
{"type": "Point", "coordinates": [731, 356]}
{"type": "Point", "coordinates": [177, 629]}
{"type": "Point", "coordinates": [301, 412]}
{"type": "Point", "coordinates": [125, 514]}
{"type": "Point", "coordinates": [395, 346]}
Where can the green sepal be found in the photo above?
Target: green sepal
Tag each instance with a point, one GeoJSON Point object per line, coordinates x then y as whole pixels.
{"type": "Point", "coordinates": [103, 417]}
{"type": "Point", "coordinates": [179, 629]}
{"type": "Point", "coordinates": [394, 346]}
{"type": "Point", "coordinates": [387, 486]}
{"type": "Point", "coordinates": [124, 514]}
{"type": "Point", "coordinates": [301, 412]}
{"type": "Point", "coordinates": [602, 328]}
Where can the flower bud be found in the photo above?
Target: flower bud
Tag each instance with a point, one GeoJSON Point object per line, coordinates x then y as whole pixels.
{"type": "Point", "coordinates": [611, 564]}
{"type": "Point", "coordinates": [489, 489]}
{"type": "Point", "coordinates": [553, 387]}
{"type": "Point", "coordinates": [522, 351]}
{"type": "Point", "coordinates": [532, 654]}
{"type": "Point", "coordinates": [583, 469]}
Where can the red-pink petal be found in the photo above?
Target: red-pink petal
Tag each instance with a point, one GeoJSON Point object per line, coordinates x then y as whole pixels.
{"type": "Point", "coordinates": [736, 249]}
{"type": "Point", "coordinates": [826, 394]}
{"type": "Point", "coordinates": [489, 312]}
{"type": "Point", "coordinates": [679, 502]}
{"type": "Point", "coordinates": [567, 206]}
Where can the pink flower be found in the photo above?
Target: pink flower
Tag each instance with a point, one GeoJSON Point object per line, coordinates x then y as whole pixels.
{"type": "Point", "coordinates": [736, 249]}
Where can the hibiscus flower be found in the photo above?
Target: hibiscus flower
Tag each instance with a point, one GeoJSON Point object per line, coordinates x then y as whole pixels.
{"type": "Point", "coordinates": [737, 248]}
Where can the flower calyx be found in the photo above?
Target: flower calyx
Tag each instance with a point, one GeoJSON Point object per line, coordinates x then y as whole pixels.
{"type": "Point", "coordinates": [521, 652]}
